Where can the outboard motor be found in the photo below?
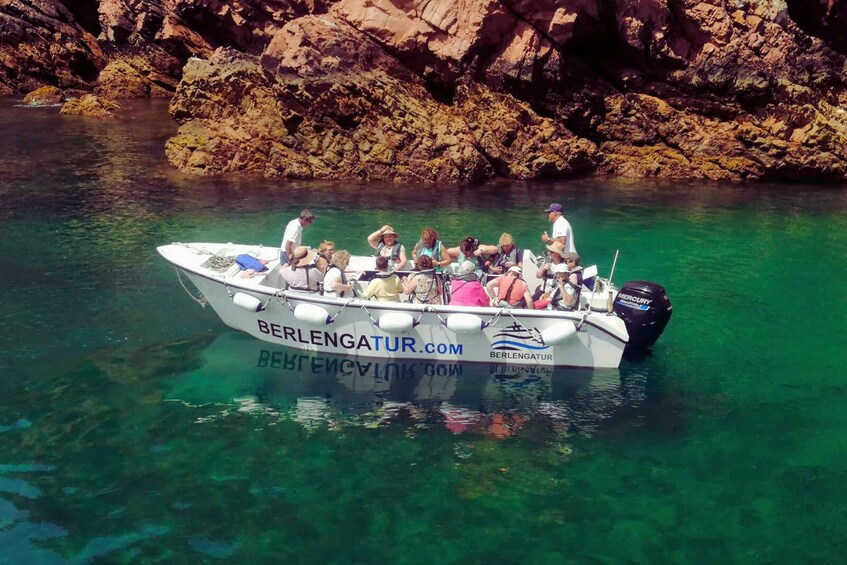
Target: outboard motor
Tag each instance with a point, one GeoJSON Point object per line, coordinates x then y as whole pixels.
{"type": "Point", "coordinates": [645, 309]}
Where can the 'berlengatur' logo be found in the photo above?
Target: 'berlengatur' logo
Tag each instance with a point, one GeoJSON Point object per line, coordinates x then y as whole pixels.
{"type": "Point", "coordinates": [516, 338]}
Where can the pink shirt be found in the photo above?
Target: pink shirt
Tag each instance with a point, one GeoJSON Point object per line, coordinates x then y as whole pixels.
{"type": "Point", "coordinates": [468, 293]}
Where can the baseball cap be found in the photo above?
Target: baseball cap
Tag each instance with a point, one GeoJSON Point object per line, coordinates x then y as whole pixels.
{"type": "Point", "coordinates": [554, 207]}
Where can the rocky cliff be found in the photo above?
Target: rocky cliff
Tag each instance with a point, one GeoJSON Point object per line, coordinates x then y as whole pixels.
{"type": "Point", "coordinates": [461, 90]}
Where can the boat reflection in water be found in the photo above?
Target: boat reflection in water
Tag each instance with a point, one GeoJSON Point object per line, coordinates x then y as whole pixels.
{"type": "Point", "coordinates": [328, 390]}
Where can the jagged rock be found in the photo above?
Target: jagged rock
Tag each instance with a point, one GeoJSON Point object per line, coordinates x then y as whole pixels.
{"type": "Point", "coordinates": [92, 106]}
{"type": "Point", "coordinates": [422, 90]}
{"type": "Point", "coordinates": [42, 45]}
{"type": "Point", "coordinates": [45, 96]}
{"type": "Point", "coordinates": [139, 76]}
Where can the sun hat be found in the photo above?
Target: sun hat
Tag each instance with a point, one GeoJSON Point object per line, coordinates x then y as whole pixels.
{"type": "Point", "coordinates": [389, 231]}
{"type": "Point", "coordinates": [557, 247]}
{"type": "Point", "coordinates": [302, 256]}
{"type": "Point", "coordinates": [570, 255]}
{"type": "Point", "coordinates": [515, 269]}
{"type": "Point", "coordinates": [554, 207]}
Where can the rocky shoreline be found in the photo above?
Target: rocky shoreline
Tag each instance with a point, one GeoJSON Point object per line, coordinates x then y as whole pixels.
{"type": "Point", "coordinates": [464, 91]}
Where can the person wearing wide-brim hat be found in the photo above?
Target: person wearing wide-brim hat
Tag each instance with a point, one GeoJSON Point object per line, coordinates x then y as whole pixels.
{"type": "Point", "coordinates": [555, 253]}
{"type": "Point", "coordinates": [303, 273]}
{"type": "Point", "coordinates": [387, 244]}
{"type": "Point", "coordinates": [562, 231]}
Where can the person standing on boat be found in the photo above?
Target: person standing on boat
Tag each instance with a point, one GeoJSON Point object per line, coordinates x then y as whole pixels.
{"type": "Point", "coordinates": [512, 291]}
{"type": "Point", "coordinates": [430, 245]}
{"type": "Point", "coordinates": [385, 241]}
{"type": "Point", "coordinates": [465, 289]}
{"type": "Point", "coordinates": [293, 236]}
{"type": "Point", "coordinates": [385, 286]}
{"type": "Point", "coordinates": [562, 230]}
{"type": "Point", "coordinates": [303, 273]}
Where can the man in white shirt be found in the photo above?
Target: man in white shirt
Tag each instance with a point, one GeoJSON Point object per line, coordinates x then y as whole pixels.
{"type": "Point", "coordinates": [293, 236]}
{"type": "Point", "coordinates": [562, 230]}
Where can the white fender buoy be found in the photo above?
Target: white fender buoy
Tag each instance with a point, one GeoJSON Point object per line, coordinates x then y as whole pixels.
{"type": "Point", "coordinates": [558, 333]}
{"type": "Point", "coordinates": [395, 322]}
{"type": "Point", "coordinates": [312, 314]}
{"type": "Point", "coordinates": [247, 302]}
{"type": "Point", "coordinates": [462, 323]}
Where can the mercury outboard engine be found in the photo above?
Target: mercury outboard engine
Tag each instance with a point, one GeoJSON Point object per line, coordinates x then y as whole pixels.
{"type": "Point", "coordinates": [645, 309]}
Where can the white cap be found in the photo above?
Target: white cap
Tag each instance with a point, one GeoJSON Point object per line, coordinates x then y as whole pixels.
{"type": "Point", "coordinates": [560, 268]}
{"type": "Point", "coordinates": [514, 269]}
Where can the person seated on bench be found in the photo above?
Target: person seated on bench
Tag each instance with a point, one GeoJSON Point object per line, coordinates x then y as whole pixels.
{"type": "Point", "coordinates": [385, 286]}
{"type": "Point", "coordinates": [303, 273]}
{"type": "Point", "coordinates": [512, 290]}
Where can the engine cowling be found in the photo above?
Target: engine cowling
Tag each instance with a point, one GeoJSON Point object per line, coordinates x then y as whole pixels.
{"type": "Point", "coordinates": [645, 309]}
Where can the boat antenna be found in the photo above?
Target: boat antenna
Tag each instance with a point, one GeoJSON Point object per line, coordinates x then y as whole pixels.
{"type": "Point", "coordinates": [614, 264]}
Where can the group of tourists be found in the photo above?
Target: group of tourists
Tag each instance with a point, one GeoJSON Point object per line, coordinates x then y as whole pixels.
{"type": "Point", "coordinates": [323, 270]}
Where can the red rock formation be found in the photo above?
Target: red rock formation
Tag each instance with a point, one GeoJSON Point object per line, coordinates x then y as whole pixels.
{"type": "Point", "coordinates": [421, 90]}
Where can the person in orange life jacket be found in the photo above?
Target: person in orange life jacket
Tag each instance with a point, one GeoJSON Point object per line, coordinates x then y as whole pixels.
{"type": "Point", "coordinates": [465, 289]}
{"type": "Point", "coordinates": [423, 286]}
{"type": "Point", "coordinates": [336, 284]}
{"type": "Point", "coordinates": [470, 249]}
{"type": "Point", "coordinates": [562, 231]}
{"type": "Point", "coordinates": [303, 273]}
{"type": "Point", "coordinates": [429, 244]}
{"type": "Point", "coordinates": [507, 255]}
{"type": "Point", "coordinates": [293, 236]}
{"type": "Point", "coordinates": [385, 286]}
{"type": "Point", "coordinates": [385, 241]}
{"type": "Point", "coordinates": [512, 291]}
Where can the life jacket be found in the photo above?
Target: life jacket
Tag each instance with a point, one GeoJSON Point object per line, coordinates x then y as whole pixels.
{"type": "Point", "coordinates": [342, 293]}
{"type": "Point", "coordinates": [430, 251]}
{"type": "Point", "coordinates": [504, 296]}
{"type": "Point", "coordinates": [395, 250]}
{"type": "Point", "coordinates": [310, 285]}
{"type": "Point", "coordinates": [501, 258]}
{"type": "Point", "coordinates": [427, 296]}
{"type": "Point", "coordinates": [556, 298]}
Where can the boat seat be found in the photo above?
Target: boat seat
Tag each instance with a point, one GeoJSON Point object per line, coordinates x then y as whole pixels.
{"type": "Point", "coordinates": [588, 276]}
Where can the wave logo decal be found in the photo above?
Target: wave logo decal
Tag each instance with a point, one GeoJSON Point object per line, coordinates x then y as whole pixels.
{"type": "Point", "coordinates": [515, 338]}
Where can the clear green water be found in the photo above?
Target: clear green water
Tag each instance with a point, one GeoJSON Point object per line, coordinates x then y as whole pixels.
{"type": "Point", "coordinates": [135, 427]}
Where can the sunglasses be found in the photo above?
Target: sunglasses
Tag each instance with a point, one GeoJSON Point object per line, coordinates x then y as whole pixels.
{"type": "Point", "coordinates": [570, 261]}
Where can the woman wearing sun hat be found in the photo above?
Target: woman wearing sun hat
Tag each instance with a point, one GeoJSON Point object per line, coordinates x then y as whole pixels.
{"type": "Point", "coordinates": [385, 241]}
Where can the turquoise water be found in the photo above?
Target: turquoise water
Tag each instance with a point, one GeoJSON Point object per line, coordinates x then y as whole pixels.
{"type": "Point", "coordinates": [135, 427]}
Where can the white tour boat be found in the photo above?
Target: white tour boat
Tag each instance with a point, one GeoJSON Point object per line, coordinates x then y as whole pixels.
{"type": "Point", "coordinates": [593, 336]}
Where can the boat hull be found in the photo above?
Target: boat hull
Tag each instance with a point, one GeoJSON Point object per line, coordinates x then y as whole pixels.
{"type": "Point", "coordinates": [364, 328]}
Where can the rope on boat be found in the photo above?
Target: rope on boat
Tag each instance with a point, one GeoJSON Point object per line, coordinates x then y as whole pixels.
{"type": "Point", "coordinates": [373, 320]}
{"type": "Point", "coordinates": [536, 335]}
{"type": "Point", "coordinates": [341, 309]}
{"type": "Point", "coordinates": [201, 301]}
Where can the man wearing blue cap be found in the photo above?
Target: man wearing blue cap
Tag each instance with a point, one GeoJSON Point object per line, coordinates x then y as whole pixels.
{"type": "Point", "coordinates": [562, 230]}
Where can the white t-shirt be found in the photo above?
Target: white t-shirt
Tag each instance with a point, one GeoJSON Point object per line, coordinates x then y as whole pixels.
{"type": "Point", "coordinates": [293, 233]}
{"type": "Point", "coordinates": [333, 275]}
{"type": "Point", "coordinates": [561, 227]}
